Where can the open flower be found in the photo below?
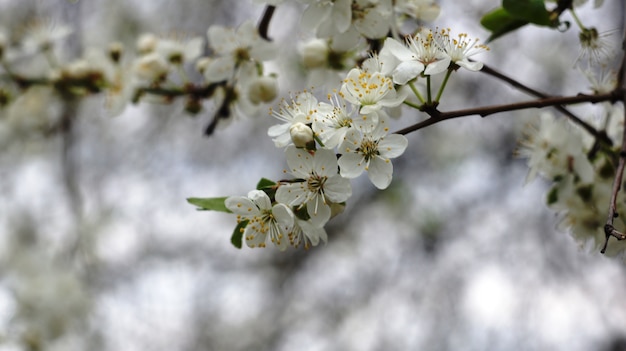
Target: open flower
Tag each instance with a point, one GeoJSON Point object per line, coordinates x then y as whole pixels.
{"type": "Point", "coordinates": [421, 54]}
{"type": "Point", "coordinates": [371, 151]}
{"type": "Point", "coordinates": [235, 48]}
{"type": "Point", "coordinates": [306, 234]}
{"type": "Point", "coordinates": [301, 110]}
{"type": "Point", "coordinates": [317, 184]}
{"type": "Point", "coordinates": [460, 49]}
{"type": "Point", "coordinates": [370, 90]}
{"type": "Point", "coordinates": [263, 219]}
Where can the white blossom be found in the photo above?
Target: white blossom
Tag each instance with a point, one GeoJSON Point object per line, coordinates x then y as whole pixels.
{"type": "Point", "coordinates": [371, 152]}
{"type": "Point", "coordinates": [370, 90]}
{"type": "Point", "coordinates": [235, 48]}
{"type": "Point", "coordinates": [460, 49]}
{"type": "Point", "coordinates": [264, 219]}
{"type": "Point", "coordinates": [301, 110]}
{"type": "Point", "coordinates": [317, 185]}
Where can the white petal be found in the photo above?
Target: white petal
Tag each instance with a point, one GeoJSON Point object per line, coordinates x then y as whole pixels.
{"type": "Point", "coordinates": [472, 66]}
{"type": "Point", "coordinates": [398, 50]}
{"type": "Point", "coordinates": [260, 199]}
{"type": "Point", "coordinates": [284, 216]}
{"type": "Point", "coordinates": [352, 165]}
{"type": "Point", "coordinates": [220, 69]}
{"type": "Point", "coordinates": [406, 71]}
{"type": "Point", "coordinates": [300, 162]}
{"type": "Point", "coordinates": [318, 211]}
{"type": "Point", "coordinates": [291, 194]}
{"type": "Point", "coordinates": [438, 66]}
{"type": "Point", "coordinates": [392, 145]}
{"type": "Point", "coordinates": [379, 172]}
{"type": "Point", "coordinates": [337, 189]}
{"type": "Point", "coordinates": [253, 238]}
{"type": "Point", "coordinates": [325, 162]}
{"type": "Point", "coordinates": [241, 205]}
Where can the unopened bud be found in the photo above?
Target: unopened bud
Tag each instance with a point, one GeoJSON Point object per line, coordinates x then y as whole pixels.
{"type": "Point", "coordinates": [315, 53]}
{"type": "Point", "coordinates": [146, 43]}
{"type": "Point", "coordinates": [202, 64]}
{"type": "Point", "coordinates": [151, 67]}
{"type": "Point", "coordinates": [301, 134]}
{"type": "Point", "coordinates": [116, 49]}
{"type": "Point", "coordinates": [263, 89]}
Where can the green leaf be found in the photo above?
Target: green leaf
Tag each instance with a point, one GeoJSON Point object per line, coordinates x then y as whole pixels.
{"type": "Point", "coordinates": [533, 11]}
{"type": "Point", "coordinates": [553, 196]}
{"type": "Point", "coordinates": [500, 22]}
{"type": "Point", "coordinates": [210, 204]}
{"type": "Point", "coordinates": [265, 183]}
{"type": "Point", "coordinates": [237, 238]}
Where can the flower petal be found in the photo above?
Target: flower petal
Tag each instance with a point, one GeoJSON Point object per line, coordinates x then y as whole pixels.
{"type": "Point", "coordinates": [379, 172]}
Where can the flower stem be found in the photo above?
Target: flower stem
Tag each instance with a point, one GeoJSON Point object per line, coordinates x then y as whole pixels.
{"type": "Point", "coordinates": [577, 20]}
{"type": "Point", "coordinates": [443, 85]}
{"type": "Point", "coordinates": [416, 92]}
{"type": "Point", "coordinates": [429, 94]}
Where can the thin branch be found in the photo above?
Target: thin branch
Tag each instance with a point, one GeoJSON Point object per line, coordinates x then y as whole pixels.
{"type": "Point", "coordinates": [264, 24]}
{"type": "Point", "coordinates": [609, 229]}
{"type": "Point", "coordinates": [577, 120]}
{"type": "Point", "coordinates": [437, 116]}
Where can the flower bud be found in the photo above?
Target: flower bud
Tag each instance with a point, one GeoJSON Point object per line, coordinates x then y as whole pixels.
{"type": "Point", "coordinates": [263, 89]}
{"type": "Point", "coordinates": [147, 43]}
{"type": "Point", "coordinates": [301, 134]}
{"type": "Point", "coordinates": [315, 53]}
{"type": "Point", "coordinates": [202, 64]}
{"type": "Point", "coordinates": [116, 49]}
{"type": "Point", "coordinates": [151, 67]}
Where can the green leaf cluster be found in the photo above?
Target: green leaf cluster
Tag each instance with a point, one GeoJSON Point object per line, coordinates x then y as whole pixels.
{"type": "Point", "coordinates": [515, 14]}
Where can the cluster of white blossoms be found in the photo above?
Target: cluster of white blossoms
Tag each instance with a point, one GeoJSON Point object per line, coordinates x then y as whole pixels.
{"type": "Point", "coordinates": [329, 143]}
{"type": "Point", "coordinates": [581, 174]}
{"type": "Point", "coordinates": [157, 68]}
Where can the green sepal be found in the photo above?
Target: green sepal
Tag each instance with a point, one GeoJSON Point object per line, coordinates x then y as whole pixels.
{"type": "Point", "coordinates": [210, 204]}
{"type": "Point", "coordinates": [237, 238]}
{"type": "Point", "coordinates": [501, 22]}
{"type": "Point", "coordinates": [553, 196]}
{"type": "Point", "coordinates": [533, 11]}
{"type": "Point", "coordinates": [268, 186]}
{"type": "Point", "coordinates": [265, 183]}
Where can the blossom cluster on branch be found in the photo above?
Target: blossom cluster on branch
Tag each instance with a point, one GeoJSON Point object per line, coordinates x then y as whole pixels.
{"type": "Point", "coordinates": [371, 70]}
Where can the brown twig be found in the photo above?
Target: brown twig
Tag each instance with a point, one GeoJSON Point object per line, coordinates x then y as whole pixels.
{"type": "Point", "coordinates": [437, 116]}
{"type": "Point", "coordinates": [598, 135]}
{"type": "Point", "coordinates": [264, 23]}
{"type": "Point", "coordinates": [609, 229]}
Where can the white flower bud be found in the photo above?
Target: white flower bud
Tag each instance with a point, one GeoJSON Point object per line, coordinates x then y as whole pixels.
{"type": "Point", "coordinates": [301, 134]}
{"type": "Point", "coordinates": [147, 43]}
{"type": "Point", "coordinates": [263, 89]}
{"type": "Point", "coordinates": [151, 67]}
{"type": "Point", "coordinates": [315, 53]}
{"type": "Point", "coordinates": [116, 49]}
{"type": "Point", "coordinates": [202, 64]}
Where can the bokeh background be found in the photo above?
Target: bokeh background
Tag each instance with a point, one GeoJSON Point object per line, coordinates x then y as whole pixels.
{"type": "Point", "coordinates": [100, 251]}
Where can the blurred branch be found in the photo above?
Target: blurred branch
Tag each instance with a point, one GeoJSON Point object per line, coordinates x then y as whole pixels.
{"type": "Point", "coordinates": [265, 21]}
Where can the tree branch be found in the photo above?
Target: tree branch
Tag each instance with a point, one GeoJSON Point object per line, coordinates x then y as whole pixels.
{"type": "Point", "coordinates": [437, 116]}
{"type": "Point", "coordinates": [264, 23]}
{"type": "Point", "coordinates": [609, 229]}
{"type": "Point", "coordinates": [600, 136]}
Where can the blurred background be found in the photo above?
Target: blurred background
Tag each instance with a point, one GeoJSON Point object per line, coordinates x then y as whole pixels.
{"type": "Point", "coordinates": [99, 249]}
